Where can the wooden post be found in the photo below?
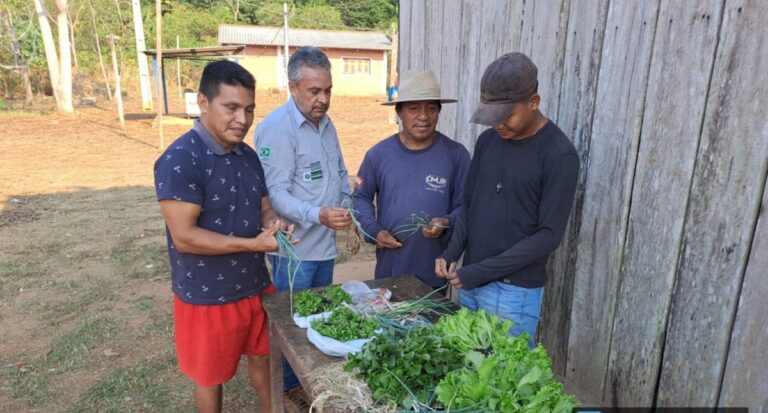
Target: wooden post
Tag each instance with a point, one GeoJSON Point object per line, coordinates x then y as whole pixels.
{"type": "Point", "coordinates": [178, 74]}
{"type": "Point", "coordinates": [159, 47]}
{"type": "Point", "coordinates": [285, 56]}
{"type": "Point", "coordinates": [118, 92]}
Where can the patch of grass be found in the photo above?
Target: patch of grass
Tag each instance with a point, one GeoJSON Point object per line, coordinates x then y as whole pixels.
{"type": "Point", "coordinates": [140, 387]}
{"type": "Point", "coordinates": [73, 301]}
{"type": "Point", "coordinates": [32, 381]}
{"type": "Point", "coordinates": [160, 319]}
{"type": "Point", "coordinates": [19, 267]}
{"type": "Point", "coordinates": [141, 260]}
{"type": "Point", "coordinates": [73, 348]}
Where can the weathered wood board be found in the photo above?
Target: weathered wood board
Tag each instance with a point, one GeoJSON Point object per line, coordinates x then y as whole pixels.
{"type": "Point", "coordinates": [674, 110]}
{"type": "Point", "coordinates": [618, 112]}
{"type": "Point", "coordinates": [723, 206]}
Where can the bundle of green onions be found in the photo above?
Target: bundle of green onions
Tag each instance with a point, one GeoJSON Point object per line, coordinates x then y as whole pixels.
{"type": "Point", "coordinates": [348, 202]}
{"type": "Point", "coordinates": [287, 251]}
{"type": "Point", "coordinates": [418, 221]}
{"type": "Point", "coordinates": [396, 316]}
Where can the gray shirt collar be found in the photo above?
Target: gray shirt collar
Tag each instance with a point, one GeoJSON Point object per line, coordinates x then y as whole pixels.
{"type": "Point", "coordinates": [211, 142]}
{"type": "Point", "coordinates": [299, 117]}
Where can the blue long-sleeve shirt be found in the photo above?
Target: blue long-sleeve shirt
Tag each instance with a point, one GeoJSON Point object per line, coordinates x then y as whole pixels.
{"type": "Point", "coordinates": [517, 201]}
{"type": "Point", "coordinates": [395, 182]}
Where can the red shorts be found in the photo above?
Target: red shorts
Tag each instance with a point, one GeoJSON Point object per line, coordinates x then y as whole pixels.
{"type": "Point", "coordinates": [210, 339]}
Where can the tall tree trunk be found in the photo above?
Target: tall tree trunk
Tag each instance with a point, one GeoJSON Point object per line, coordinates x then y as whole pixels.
{"type": "Point", "coordinates": [72, 41]}
{"type": "Point", "coordinates": [65, 56]}
{"type": "Point", "coordinates": [21, 65]}
{"type": "Point", "coordinates": [98, 50]}
{"type": "Point", "coordinates": [51, 56]}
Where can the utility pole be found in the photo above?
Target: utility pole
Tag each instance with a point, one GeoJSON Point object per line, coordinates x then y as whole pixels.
{"type": "Point", "coordinates": [159, 47]}
{"type": "Point", "coordinates": [285, 53]}
{"type": "Point", "coordinates": [141, 46]}
{"type": "Point", "coordinates": [178, 74]}
{"type": "Point", "coordinates": [118, 92]}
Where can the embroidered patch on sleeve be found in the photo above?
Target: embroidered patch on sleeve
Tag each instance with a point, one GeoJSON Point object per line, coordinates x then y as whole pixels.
{"type": "Point", "coordinates": [265, 151]}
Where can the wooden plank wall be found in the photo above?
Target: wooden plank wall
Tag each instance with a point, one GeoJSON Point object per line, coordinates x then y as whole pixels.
{"type": "Point", "coordinates": [657, 294]}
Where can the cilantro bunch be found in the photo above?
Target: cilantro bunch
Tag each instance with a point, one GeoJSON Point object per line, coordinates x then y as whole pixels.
{"type": "Point", "coordinates": [307, 302]}
{"type": "Point", "coordinates": [345, 325]}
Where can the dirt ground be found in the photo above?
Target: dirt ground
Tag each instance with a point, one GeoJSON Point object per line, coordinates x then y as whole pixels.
{"type": "Point", "coordinates": [85, 303]}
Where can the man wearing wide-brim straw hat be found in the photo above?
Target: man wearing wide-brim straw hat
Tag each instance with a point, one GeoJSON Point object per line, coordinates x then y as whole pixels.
{"type": "Point", "coordinates": [415, 176]}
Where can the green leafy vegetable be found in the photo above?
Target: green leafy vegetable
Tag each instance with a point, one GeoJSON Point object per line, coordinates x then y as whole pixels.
{"type": "Point", "coordinates": [404, 370]}
{"type": "Point", "coordinates": [345, 325]}
{"type": "Point", "coordinates": [308, 302]}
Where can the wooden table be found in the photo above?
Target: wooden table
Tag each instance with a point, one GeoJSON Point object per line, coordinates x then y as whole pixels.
{"type": "Point", "coordinates": [287, 339]}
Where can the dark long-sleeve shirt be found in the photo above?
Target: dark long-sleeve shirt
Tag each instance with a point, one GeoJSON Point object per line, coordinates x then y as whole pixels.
{"type": "Point", "coordinates": [517, 201]}
{"type": "Point", "coordinates": [404, 182]}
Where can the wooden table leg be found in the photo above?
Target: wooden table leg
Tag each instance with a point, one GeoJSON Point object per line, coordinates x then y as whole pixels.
{"type": "Point", "coordinates": [275, 371]}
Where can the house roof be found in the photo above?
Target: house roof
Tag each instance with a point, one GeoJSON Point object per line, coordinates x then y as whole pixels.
{"type": "Point", "coordinates": [197, 51]}
{"type": "Point", "coordinates": [325, 39]}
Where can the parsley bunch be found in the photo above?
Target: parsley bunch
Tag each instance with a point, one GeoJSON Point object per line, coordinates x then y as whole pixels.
{"type": "Point", "coordinates": [308, 302]}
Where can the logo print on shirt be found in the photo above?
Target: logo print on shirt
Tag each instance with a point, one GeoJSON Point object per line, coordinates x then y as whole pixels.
{"type": "Point", "coordinates": [435, 183]}
{"type": "Point", "coordinates": [218, 221]}
{"type": "Point", "coordinates": [313, 172]}
{"type": "Point", "coordinates": [265, 151]}
{"type": "Point", "coordinates": [177, 168]}
{"type": "Point", "coordinates": [215, 197]}
{"type": "Point", "coordinates": [220, 277]}
{"type": "Point", "coordinates": [222, 180]}
{"type": "Point", "coordinates": [209, 171]}
{"type": "Point", "coordinates": [201, 263]}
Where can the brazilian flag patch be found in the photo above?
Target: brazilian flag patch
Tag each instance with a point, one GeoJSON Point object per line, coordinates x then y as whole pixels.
{"type": "Point", "coordinates": [265, 151]}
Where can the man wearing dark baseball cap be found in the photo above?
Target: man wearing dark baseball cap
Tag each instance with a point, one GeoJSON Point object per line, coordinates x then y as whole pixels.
{"type": "Point", "coordinates": [517, 199]}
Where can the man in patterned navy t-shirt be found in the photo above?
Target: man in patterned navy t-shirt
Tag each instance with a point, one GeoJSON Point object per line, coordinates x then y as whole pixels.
{"type": "Point", "coordinates": [215, 204]}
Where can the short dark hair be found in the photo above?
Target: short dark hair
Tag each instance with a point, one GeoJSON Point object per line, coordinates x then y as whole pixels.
{"type": "Point", "coordinates": [399, 105]}
{"type": "Point", "coordinates": [224, 72]}
{"type": "Point", "coordinates": [308, 56]}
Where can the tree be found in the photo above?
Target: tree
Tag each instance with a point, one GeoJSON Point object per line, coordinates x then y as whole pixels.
{"type": "Point", "coordinates": [21, 65]}
{"type": "Point", "coordinates": [59, 64]}
{"type": "Point", "coordinates": [367, 14]}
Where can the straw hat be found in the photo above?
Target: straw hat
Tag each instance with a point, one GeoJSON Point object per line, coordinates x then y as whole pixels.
{"type": "Point", "coordinates": [418, 86]}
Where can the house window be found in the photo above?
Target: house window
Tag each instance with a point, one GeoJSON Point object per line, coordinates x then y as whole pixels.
{"type": "Point", "coordinates": [356, 66]}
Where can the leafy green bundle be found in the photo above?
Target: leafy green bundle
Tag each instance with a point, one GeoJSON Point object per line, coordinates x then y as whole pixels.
{"type": "Point", "coordinates": [501, 373]}
{"type": "Point", "coordinates": [406, 368]}
{"type": "Point", "coordinates": [308, 302]}
{"type": "Point", "coordinates": [345, 325]}
{"type": "Point", "coordinates": [466, 362]}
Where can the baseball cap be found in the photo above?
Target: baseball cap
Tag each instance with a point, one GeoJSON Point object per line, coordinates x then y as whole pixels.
{"type": "Point", "coordinates": [510, 79]}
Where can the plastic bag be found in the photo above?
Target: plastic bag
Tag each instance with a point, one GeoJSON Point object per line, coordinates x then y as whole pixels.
{"type": "Point", "coordinates": [364, 299]}
{"type": "Point", "coordinates": [333, 347]}
{"type": "Point", "coordinates": [303, 322]}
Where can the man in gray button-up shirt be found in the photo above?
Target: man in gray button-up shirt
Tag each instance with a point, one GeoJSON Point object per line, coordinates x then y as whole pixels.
{"type": "Point", "coordinates": [305, 172]}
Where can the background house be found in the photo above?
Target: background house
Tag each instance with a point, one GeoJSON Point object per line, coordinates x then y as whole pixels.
{"type": "Point", "coordinates": [358, 59]}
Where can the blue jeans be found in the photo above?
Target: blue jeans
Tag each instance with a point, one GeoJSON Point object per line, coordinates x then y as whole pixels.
{"type": "Point", "coordinates": [310, 274]}
{"type": "Point", "coordinates": [509, 302]}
